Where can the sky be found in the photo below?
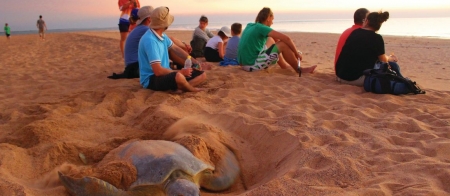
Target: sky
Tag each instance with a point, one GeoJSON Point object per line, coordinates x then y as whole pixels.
{"type": "Point", "coordinates": [21, 15]}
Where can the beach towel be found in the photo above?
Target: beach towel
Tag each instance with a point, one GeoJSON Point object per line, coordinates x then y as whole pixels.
{"type": "Point", "coordinates": [227, 61]}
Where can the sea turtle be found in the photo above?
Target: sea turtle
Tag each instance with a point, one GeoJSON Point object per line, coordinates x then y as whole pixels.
{"type": "Point", "coordinates": [163, 168]}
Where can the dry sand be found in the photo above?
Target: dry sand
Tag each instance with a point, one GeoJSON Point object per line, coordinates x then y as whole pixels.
{"type": "Point", "coordinates": [292, 136]}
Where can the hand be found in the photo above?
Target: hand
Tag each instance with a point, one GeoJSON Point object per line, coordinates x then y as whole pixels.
{"type": "Point", "coordinates": [186, 72]}
{"type": "Point", "coordinates": [392, 58]}
{"type": "Point", "coordinates": [298, 55]}
{"type": "Point", "coordinates": [188, 48]}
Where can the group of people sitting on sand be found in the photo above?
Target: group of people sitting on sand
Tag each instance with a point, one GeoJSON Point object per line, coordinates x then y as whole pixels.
{"type": "Point", "coordinates": [158, 60]}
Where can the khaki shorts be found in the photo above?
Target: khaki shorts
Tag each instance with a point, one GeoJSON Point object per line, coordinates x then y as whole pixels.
{"type": "Point", "coordinates": [264, 60]}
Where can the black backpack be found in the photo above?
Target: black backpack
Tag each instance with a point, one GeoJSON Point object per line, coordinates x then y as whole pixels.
{"type": "Point", "coordinates": [386, 81]}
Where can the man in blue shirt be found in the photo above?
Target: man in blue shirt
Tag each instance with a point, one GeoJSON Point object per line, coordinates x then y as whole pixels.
{"type": "Point", "coordinates": [153, 55]}
{"type": "Point", "coordinates": [142, 18]}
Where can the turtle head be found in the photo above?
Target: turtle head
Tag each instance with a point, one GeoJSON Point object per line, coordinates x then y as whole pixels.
{"type": "Point", "coordinates": [88, 186]}
{"type": "Point", "coordinates": [182, 187]}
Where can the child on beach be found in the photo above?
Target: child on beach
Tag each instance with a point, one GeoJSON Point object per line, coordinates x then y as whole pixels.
{"type": "Point", "coordinates": [200, 36]}
{"type": "Point", "coordinates": [231, 50]}
{"type": "Point", "coordinates": [7, 30]}
{"type": "Point", "coordinates": [215, 48]}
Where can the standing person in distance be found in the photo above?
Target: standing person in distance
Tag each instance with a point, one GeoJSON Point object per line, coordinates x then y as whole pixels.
{"type": "Point", "coordinates": [7, 31]}
{"type": "Point", "coordinates": [42, 27]}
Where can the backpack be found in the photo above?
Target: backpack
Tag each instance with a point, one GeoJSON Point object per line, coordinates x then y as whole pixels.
{"type": "Point", "coordinates": [386, 81]}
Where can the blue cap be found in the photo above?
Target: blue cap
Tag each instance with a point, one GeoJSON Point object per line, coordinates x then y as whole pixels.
{"type": "Point", "coordinates": [134, 13]}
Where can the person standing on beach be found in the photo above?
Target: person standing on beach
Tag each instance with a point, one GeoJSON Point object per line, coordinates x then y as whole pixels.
{"type": "Point", "coordinates": [125, 6]}
{"type": "Point", "coordinates": [200, 37]}
{"type": "Point", "coordinates": [153, 55]}
{"type": "Point", "coordinates": [42, 27]}
{"type": "Point", "coordinates": [7, 31]}
{"type": "Point", "coordinates": [358, 20]}
{"type": "Point", "coordinates": [363, 48]}
{"type": "Point", "coordinates": [258, 50]}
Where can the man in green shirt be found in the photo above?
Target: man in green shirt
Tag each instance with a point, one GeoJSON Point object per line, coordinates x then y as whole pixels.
{"type": "Point", "coordinates": [7, 30]}
{"type": "Point", "coordinates": [257, 49]}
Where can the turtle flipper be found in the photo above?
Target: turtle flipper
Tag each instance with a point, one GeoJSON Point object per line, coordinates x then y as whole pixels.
{"type": "Point", "coordinates": [89, 186]}
{"type": "Point", "coordinates": [224, 175]}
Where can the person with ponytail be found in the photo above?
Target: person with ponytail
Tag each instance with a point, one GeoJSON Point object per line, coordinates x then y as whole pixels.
{"type": "Point", "coordinates": [363, 48]}
{"type": "Point", "coordinates": [257, 49]}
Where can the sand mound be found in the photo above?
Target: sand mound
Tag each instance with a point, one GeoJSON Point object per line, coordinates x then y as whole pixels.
{"type": "Point", "coordinates": [291, 135]}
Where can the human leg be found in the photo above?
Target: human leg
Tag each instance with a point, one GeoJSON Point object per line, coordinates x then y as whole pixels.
{"type": "Point", "coordinates": [357, 82]}
{"type": "Point", "coordinates": [183, 84]}
{"type": "Point", "coordinates": [123, 37]}
{"type": "Point", "coordinates": [212, 55]}
{"type": "Point", "coordinates": [123, 28]}
{"type": "Point", "coordinates": [196, 78]}
{"type": "Point", "coordinates": [290, 58]}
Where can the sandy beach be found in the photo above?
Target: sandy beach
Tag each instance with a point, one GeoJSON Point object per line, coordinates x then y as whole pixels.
{"type": "Point", "coordinates": [292, 135]}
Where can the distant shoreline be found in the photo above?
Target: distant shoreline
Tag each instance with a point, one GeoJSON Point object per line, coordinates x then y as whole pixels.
{"type": "Point", "coordinates": [181, 30]}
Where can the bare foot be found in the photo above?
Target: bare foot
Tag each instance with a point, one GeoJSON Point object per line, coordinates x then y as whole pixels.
{"type": "Point", "coordinates": [309, 69]}
{"type": "Point", "coordinates": [200, 89]}
{"type": "Point", "coordinates": [205, 66]}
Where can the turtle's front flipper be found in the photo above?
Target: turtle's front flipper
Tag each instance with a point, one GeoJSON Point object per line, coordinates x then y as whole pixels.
{"type": "Point", "coordinates": [89, 186]}
{"type": "Point", "coordinates": [224, 175]}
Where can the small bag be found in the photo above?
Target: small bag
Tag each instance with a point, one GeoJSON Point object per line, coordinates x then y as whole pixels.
{"type": "Point", "coordinates": [386, 81]}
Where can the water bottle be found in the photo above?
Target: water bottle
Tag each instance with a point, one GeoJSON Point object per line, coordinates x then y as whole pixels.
{"type": "Point", "coordinates": [188, 63]}
{"type": "Point", "coordinates": [299, 68]}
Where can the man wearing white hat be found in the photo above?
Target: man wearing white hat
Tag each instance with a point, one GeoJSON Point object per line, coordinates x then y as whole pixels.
{"type": "Point", "coordinates": [155, 71]}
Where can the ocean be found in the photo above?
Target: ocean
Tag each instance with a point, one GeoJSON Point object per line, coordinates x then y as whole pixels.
{"type": "Point", "coordinates": [418, 27]}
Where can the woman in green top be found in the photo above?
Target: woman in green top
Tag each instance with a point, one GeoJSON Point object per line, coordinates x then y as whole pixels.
{"type": "Point", "coordinates": [258, 50]}
{"type": "Point", "coordinates": [7, 31]}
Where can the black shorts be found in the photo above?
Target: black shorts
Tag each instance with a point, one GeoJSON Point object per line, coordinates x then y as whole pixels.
{"type": "Point", "coordinates": [123, 27]}
{"type": "Point", "coordinates": [7, 35]}
{"type": "Point", "coordinates": [167, 82]}
{"type": "Point", "coordinates": [212, 55]}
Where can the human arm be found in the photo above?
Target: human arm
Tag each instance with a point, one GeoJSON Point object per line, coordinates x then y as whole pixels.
{"type": "Point", "coordinates": [159, 70]}
{"type": "Point", "coordinates": [124, 5]}
{"type": "Point", "coordinates": [287, 40]}
{"type": "Point", "coordinates": [209, 33]}
{"type": "Point", "coordinates": [221, 49]}
{"type": "Point", "coordinates": [181, 44]}
{"type": "Point", "coordinates": [201, 34]}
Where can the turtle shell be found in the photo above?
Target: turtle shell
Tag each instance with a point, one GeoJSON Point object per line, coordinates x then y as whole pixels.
{"type": "Point", "coordinates": [156, 160]}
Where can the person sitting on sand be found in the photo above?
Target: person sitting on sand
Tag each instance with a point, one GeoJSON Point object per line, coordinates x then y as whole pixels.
{"type": "Point", "coordinates": [258, 50]}
{"type": "Point", "coordinates": [362, 50]}
{"type": "Point", "coordinates": [154, 47]}
{"type": "Point", "coordinates": [142, 18]}
{"type": "Point", "coordinates": [200, 36]}
{"type": "Point", "coordinates": [231, 50]}
{"type": "Point", "coordinates": [215, 47]}
{"type": "Point", "coordinates": [358, 19]}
